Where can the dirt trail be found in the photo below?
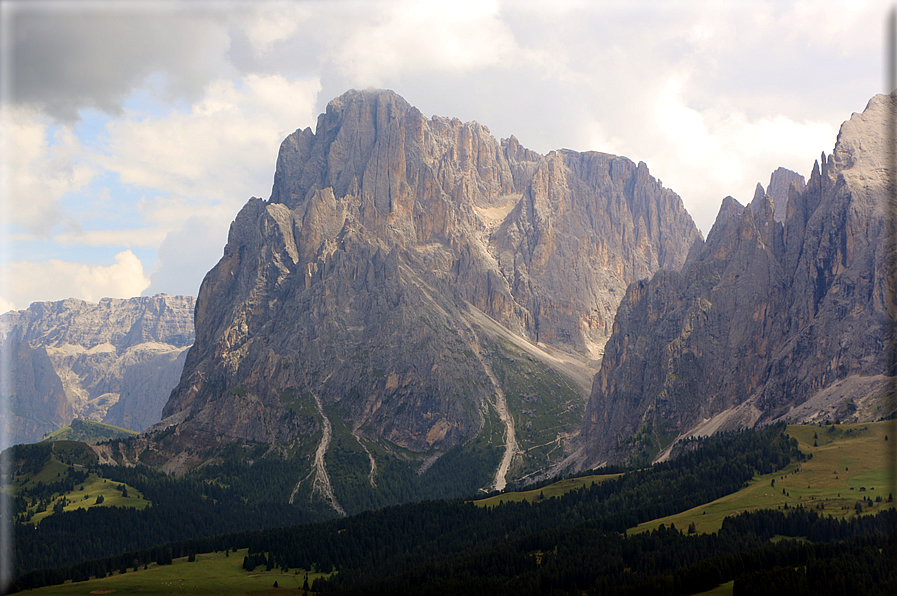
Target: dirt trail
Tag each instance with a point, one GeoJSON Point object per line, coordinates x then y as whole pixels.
{"type": "Point", "coordinates": [321, 483]}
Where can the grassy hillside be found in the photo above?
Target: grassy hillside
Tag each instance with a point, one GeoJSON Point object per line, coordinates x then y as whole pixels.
{"type": "Point", "coordinates": [847, 464]}
{"type": "Point", "coordinates": [210, 573]}
{"type": "Point", "coordinates": [552, 490]}
{"type": "Point", "coordinates": [88, 431]}
{"type": "Point", "coordinates": [58, 480]}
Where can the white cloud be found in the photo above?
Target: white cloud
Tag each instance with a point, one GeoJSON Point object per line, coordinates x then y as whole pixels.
{"type": "Point", "coordinates": [186, 255]}
{"type": "Point", "coordinates": [224, 149]}
{"type": "Point", "coordinates": [707, 154]}
{"type": "Point", "coordinates": [56, 280]}
{"type": "Point", "coordinates": [273, 23]}
{"type": "Point", "coordinates": [6, 306]}
{"type": "Point", "coordinates": [712, 96]}
{"type": "Point", "coordinates": [140, 237]}
{"type": "Point", "coordinates": [40, 165]}
{"type": "Point", "coordinates": [408, 37]}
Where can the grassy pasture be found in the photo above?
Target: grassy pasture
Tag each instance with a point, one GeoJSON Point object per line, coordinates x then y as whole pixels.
{"type": "Point", "coordinates": [725, 589]}
{"type": "Point", "coordinates": [849, 464]}
{"type": "Point", "coordinates": [88, 431]}
{"type": "Point", "coordinates": [211, 573]}
{"type": "Point", "coordinates": [552, 490]}
{"type": "Point", "coordinates": [85, 493]}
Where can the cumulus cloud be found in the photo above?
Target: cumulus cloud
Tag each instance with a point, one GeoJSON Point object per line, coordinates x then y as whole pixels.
{"type": "Point", "coordinates": [274, 23]}
{"type": "Point", "coordinates": [6, 306]}
{"type": "Point", "coordinates": [402, 38]}
{"type": "Point", "coordinates": [56, 280]}
{"type": "Point", "coordinates": [712, 96]}
{"type": "Point", "coordinates": [40, 165]}
{"type": "Point", "coordinates": [710, 155]}
{"type": "Point", "coordinates": [186, 255]}
{"type": "Point", "coordinates": [223, 148]}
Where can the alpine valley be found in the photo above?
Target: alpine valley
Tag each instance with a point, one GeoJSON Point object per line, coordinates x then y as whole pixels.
{"type": "Point", "coordinates": [421, 311]}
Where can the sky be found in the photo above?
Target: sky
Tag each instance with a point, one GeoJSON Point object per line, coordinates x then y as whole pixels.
{"type": "Point", "coordinates": [133, 132]}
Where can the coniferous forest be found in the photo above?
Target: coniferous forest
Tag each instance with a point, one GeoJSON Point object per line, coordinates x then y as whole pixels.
{"type": "Point", "coordinates": [575, 542]}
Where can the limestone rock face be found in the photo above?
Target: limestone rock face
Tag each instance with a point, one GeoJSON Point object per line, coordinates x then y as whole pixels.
{"type": "Point", "coordinates": [780, 182]}
{"type": "Point", "coordinates": [767, 320]}
{"type": "Point", "coordinates": [398, 263]}
{"type": "Point", "coordinates": [112, 362]}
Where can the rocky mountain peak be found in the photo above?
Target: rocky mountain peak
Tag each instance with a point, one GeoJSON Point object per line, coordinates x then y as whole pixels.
{"type": "Point", "coordinates": [780, 183]}
{"type": "Point", "coordinates": [767, 320]}
{"type": "Point", "coordinates": [862, 151]}
{"type": "Point", "coordinates": [405, 271]}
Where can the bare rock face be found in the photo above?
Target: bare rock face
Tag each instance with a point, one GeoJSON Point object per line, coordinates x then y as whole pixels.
{"type": "Point", "coordinates": [113, 362]}
{"type": "Point", "coordinates": [780, 182]}
{"type": "Point", "coordinates": [405, 277]}
{"type": "Point", "coordinates": [767, 320]}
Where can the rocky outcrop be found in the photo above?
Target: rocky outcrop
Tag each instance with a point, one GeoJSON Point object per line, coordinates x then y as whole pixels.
{"type": "Point", "coordinates": [767, 320]}
{"type": "Point", "coordinates": [780, 182]}
{"type": "Point", "coordinates": [402, 267]}
{"type": "Point", "coordinates": [112, 362]}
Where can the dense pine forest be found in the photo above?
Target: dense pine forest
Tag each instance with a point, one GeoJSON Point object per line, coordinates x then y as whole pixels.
{"type": "Point", "coordinates": [571, 543]}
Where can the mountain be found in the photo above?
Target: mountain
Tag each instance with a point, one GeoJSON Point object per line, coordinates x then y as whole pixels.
{"type": "Point", "coordinates": [112, 362]}
{"type": "Point", "coordinates": [416, 292]}
{"type": "Point", "coordinates": [780, 182]}
{"type": "Point", "coordinates": [767, 320]}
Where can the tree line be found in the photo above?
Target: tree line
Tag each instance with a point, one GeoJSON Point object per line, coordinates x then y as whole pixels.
{"type": "Point", "coordinates": [381, 546]}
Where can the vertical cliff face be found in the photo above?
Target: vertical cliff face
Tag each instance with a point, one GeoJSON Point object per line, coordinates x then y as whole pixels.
{"type": "Point", "coordinates": [416, 279]}
{"type": "Point", "coordinates": [114, 362]}
{"type": "Point", "coordinates": [767, 320]}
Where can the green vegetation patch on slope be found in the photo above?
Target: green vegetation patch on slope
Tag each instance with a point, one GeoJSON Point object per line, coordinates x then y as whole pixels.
{"type": "Point", "coordinates": [88, 431]}
{"type": "Point", "coordinates": [545, 405]}
{"type": "Point", "coordinates": [53, 478]}
{"type": "Point", "coordinates": [402, 476]}
{"type": "Point", "coordinates": [205, 502]}
{"type": "Point", "coordinates": [586, 522]}
{"type": "Point", "coordinates": [845, 466]}
{"type": "Point", "coordinates": [219, 572]}
{"type": "Point", "coordinates": [555, 489]}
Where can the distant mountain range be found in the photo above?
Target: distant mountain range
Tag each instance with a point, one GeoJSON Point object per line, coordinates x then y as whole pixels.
{"type": "Point", "coordinates": [114, 362]}
{"type": "Point", "coordinates": [419, 303]}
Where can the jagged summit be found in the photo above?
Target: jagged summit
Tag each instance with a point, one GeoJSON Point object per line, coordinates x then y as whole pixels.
{"type": "Point", "coordinates": [423, 284]}
{"type": "Point", "coordinates": [768, 320]}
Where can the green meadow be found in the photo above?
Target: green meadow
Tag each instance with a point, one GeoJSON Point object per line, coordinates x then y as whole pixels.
{"type": "Point", "coordinates": [211, 573]}
{"type": "Point", "coordinates": [847, 464]}
{"type": "Point", "coordinates": [552, 490]}
{"type": "Point", "coordinates": [84, 495]}
{"type": "Point", "coordinates": [88, 431]}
